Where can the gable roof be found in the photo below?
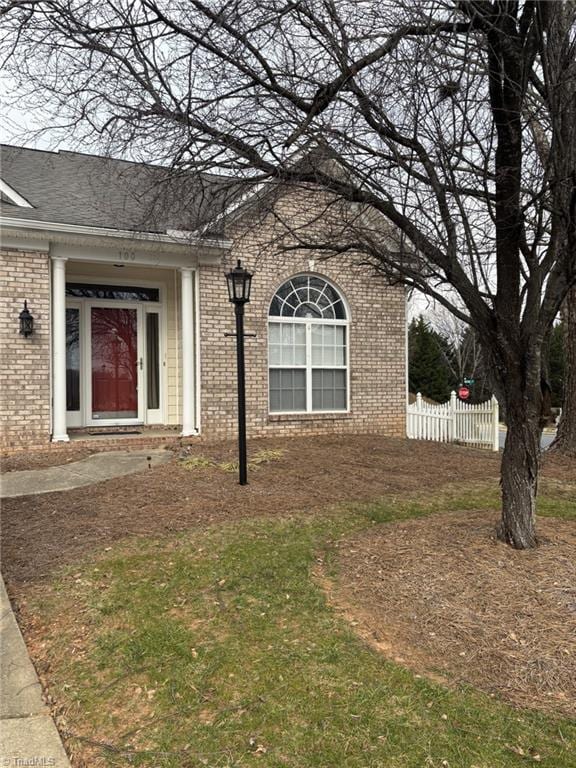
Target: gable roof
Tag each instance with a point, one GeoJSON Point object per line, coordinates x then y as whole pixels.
{"type": "Point", "coordinates": [89, 190]}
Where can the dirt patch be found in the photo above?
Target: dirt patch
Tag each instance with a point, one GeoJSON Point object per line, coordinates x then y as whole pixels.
{"type": "Point", "coordinates": [43, 459]}
{"type": "Point", "coordinates": [443, 596]}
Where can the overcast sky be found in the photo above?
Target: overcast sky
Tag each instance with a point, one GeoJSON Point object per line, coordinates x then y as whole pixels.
{"type": "Point", "coordinates": [22, 129]}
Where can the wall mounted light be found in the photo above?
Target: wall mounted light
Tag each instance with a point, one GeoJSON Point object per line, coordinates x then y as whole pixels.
{"type": "Point", "coordinates": [26, 322]}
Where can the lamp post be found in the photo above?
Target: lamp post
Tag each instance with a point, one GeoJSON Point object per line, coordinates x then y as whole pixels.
{"type": "Point", "coordinates": [239, 282]}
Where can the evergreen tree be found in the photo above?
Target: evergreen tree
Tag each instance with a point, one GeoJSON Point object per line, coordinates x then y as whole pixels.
{"type": "Point", "coordinates": [428, 370]}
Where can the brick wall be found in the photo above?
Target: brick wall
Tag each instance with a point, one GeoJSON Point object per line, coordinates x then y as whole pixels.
{"type": "Point", "coordinates": [376, 341]}
{"type": "Point", "coordinates": [25, 363]}
{"type": "Point", "coordinates": [376, 337]}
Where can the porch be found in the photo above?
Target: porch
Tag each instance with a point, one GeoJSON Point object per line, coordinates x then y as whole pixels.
{"type": "Point", "coordinates": [125, 345]}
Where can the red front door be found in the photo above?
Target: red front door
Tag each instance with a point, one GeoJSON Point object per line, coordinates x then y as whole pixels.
{"type": "Point", "coordinates": [114, 363]}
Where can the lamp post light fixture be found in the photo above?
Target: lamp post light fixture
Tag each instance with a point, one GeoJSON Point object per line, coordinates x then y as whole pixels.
{"type": "Point", "coordinates": [239, 282]}
{"type": "Point", "coordinates": [26, 322]}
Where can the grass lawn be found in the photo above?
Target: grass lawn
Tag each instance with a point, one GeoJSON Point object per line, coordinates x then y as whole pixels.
{"type": "Point", "coordinates": [217, 647]}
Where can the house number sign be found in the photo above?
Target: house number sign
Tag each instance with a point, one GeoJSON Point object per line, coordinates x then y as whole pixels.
{"type": "Point", "coordinates": [125, 254]}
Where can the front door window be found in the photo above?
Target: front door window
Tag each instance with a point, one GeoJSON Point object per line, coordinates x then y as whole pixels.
{"type": "Point", "coordinates": [152, 361]}
{"type": "Point", "coordinates": [114, 344]}
{"type": "Point", "coordinates": [72, 359]}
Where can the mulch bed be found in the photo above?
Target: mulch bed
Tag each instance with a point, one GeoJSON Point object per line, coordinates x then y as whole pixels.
{"type": "Point", "coordinates": [16, 462]}
{"type": "Point", "coordinates": [41, 533]}
{"type": "Point", "coordinates": [443, 596]}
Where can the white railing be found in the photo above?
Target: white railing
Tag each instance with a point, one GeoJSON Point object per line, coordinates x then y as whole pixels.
{"type": "Point", "coordinates": [454, 422]}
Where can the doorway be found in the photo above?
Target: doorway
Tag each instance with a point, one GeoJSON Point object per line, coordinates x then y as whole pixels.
{"type": "Point", "coordinates": [114, 357]}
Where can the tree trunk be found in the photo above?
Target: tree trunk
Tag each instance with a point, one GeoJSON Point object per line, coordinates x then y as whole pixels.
{"type": "Point", "coordinates": [519, 480]}
{"type": "Point", "coordinates": [565, 441]}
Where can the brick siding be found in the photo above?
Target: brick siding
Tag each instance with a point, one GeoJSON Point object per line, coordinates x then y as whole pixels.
{"type": "Point", "coordinates": [25, 366]}
{"type": "Point", "coordinates": [376, 337]}
{"type": "Point", "coordinates": [376, 341]}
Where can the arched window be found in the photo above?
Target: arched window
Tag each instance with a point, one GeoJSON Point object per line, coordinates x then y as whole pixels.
{"type": "Point", "coordinates": [308, 347]}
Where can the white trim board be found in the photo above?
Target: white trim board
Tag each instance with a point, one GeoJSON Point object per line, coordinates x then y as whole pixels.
{"type": "Point", "coordinates": [13, 196]}
{"type": "Point", "coordinates": [55, 227]}
{"type": "Point", "coordinates": [113, 251]}
{"type": "Point", "coordinates": [126, 255]}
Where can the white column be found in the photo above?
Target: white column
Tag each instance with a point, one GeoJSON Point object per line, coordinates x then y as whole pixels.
{"type": "Point", "coordinates": [188, 426]}
{"type": "Point", "coordinates": [59, 433]}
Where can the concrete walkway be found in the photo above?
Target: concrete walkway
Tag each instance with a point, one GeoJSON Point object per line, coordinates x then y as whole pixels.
{"type": "Point", "coordinates": [28, 735]}
{"type": "Point", "coordinates": [93, 469]}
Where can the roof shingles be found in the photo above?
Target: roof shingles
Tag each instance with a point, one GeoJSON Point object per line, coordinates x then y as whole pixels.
{"type": "Point", "coordinates": [88, 190]}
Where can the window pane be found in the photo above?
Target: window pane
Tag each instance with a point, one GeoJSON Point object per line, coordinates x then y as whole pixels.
{"type": "Point", "coordinates": [300, 355]}
{"type": "Point", "coordinates": [302, 294]}
{"type": "Point", "coordinates": [274, 333]}
{"type": "Point", "coordinates": [308, 310]}
{"type": "Point", "coordinates": [287, 344]}
{"type": "Point", "coordinates": [275, 307]}
{"type": "Point", "coordinates": [286, 400]}
{"type": "Point", "coordinates": [72, 359]}
{"type": "Point", "coordinates": [317, 333]}
{"type": "Point", "coordinates": [121, 292]}
{"type": "Point", "coordinates": [287, 354]}
{"type": "Point", "coordinates": [299, 333]}
{"type": "Point", "coordinates": [152, 360]}
{"type": "Point", "coordinates": [317, 401]}
{"type": "Point", "coordinates": [329, 335]}
{"type": "Point", "coordinates": [299, 403]}
{"type": "Point", "coordinates": [274, 396]}
{"type": "Point", "coordinates": [328, 345]}
{"type": "Point", "coordinates": [274, 380]}
{"type": "Point", "coordinates": [340, 380]}
{"type": "Point", "coordinates": [317, 283]}
{"type": "Point", "coordinates": [339, 356]}
{"type": "Point", "coordinates": [287, 390]}
{"type": "Point", "coordinates": [328, 356]}
{"type": "Point", "coordinates": [328, 390]}
{"type": "Point", "coordinates": [340, 399]}
{"type": "Point", "coordinates": [339, 311]}
{"type": "Point", "coordinates": [275, 354]}
{"type": "Point", "coordinates": [307, 296]}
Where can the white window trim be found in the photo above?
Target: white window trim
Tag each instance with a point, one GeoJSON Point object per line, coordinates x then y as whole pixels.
{"type": "Point", "coordinates": [308, 367]}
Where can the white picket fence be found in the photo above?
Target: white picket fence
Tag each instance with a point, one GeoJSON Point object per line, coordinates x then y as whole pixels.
{"type": "Point", "coordinates": [455, 422]}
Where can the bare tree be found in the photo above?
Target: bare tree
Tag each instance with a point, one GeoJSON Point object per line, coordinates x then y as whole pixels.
{"type": "Point", "coordinates": [418, 121]}
{"type": "Point", "coordinates": [463, 352]}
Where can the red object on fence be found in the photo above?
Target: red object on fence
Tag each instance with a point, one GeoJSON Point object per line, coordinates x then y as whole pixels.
{"type": "Point", "coordinates": [463, 393]}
